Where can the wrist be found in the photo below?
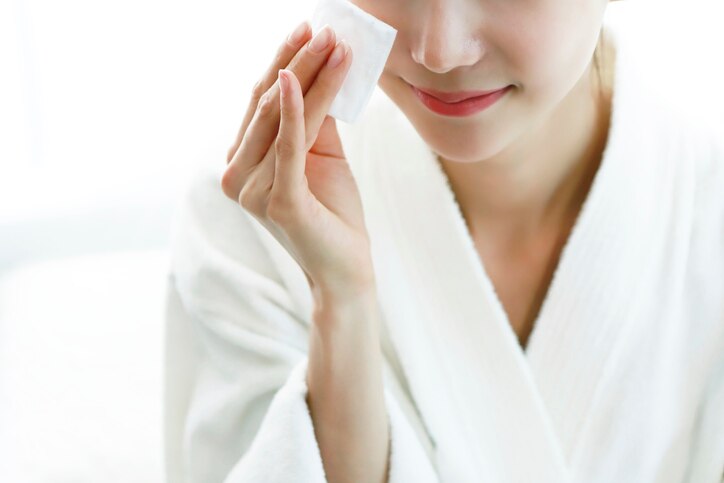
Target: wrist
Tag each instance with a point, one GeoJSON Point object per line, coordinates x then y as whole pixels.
{"type": "Point", "coordinates": [333, 292]}
{"type": "Point", "coordinates": [349, 305]}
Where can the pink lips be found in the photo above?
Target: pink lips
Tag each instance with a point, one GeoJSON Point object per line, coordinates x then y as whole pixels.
{"type": "Point", "coordinates": [460, 108]}
{"type": "Point", "coordinates": [451, 97]}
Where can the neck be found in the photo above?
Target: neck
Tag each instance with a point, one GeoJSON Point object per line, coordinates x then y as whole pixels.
{"type": "Point", "coordinates": [541, 181]}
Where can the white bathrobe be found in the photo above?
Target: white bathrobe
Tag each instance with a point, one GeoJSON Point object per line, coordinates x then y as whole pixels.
{"type": "Point", "coordinates": [622, 379]}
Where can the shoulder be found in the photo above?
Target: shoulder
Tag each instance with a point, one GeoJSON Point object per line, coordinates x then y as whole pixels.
{"type": "Point", "coordinates": [694, 153]}
{"type": "Point", "coordinates": [683, 136]}
{"type": "Point", "coordinates": [690, 151]}
{"type": "Point", "coordinates": [700, 151]}
{"type": "Point", "coordinates": [687, 180]}
{"type": "Point", "coordinates": [703, 163]}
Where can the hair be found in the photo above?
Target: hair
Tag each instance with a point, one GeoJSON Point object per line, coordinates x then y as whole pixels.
{"type": "Point", "coordinates": [599, 62]}
{"type": "Point", "coordinates": [598, 55]}
{"type": "Point", "coordinates": [600, 67]}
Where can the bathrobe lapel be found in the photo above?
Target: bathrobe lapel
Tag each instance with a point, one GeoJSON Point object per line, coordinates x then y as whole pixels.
{"type": "Point", "coordinates": [478, 393]}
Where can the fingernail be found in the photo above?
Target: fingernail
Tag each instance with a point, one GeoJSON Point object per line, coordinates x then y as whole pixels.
{"type": "Point", "coordinates": [296, 36]}
{"type": "Point", "coordinates": [321, 39]}
{"type": "Point", "coordinates": [283, 83]}
{"type": "Point", "coordinates": [338, 54]}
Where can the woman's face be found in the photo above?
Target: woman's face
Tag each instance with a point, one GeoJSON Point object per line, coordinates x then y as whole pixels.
{"type": "Point", "coordinates": [542, 48]}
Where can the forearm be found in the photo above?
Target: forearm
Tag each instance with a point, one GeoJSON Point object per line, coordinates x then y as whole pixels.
{"type": "Point", "coordinates": [345, 397]}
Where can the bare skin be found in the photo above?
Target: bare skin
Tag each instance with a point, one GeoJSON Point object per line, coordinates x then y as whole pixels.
{"type": "Point", "coordinates": [520, 258]}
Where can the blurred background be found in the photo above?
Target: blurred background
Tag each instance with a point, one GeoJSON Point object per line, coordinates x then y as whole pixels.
{"type": "Point", "coordinates": [107, 110]}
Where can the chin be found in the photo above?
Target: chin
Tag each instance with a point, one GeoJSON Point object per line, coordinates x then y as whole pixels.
{"type": "Point", "coordinates": [470, 153]}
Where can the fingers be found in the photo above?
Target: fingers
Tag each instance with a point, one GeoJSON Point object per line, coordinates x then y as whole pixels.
{"type": "Point", "coordinates": [285, 54]}
{"type": "Point", "coordinates": [290, 150]}
{"type": "Point", "coordinates": [263, 128]}
{"type": "Point", "coordinates": [320, 96]}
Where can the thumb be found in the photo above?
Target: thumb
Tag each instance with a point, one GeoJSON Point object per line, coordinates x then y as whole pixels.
{"type": "Point", "coordinates": [290, 149]}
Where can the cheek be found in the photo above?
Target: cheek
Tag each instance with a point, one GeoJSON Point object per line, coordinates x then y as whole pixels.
{"type": "Point", "coordinates": [531, 47]}
{"type": "Point", "coordinates": [546, 54]}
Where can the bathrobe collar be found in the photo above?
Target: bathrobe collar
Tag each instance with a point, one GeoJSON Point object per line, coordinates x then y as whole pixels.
{"type": "Point", "coordinates": [477, 391]}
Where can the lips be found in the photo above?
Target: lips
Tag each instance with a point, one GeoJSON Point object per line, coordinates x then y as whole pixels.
{"type": "Point", "coordinates": [466, 107]}
{"type": "Point", "coordinates": [453, 97]}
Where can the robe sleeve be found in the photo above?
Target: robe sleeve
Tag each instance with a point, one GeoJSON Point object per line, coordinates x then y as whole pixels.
{"type": "Point", "coordinates": [246, 418]}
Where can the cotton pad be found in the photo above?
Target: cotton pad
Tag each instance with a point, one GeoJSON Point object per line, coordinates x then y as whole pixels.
{"type": "Point", "coordinates": [370, 40]}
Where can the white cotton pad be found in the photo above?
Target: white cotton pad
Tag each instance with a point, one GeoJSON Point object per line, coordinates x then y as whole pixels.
{"type": "Point", "coordinates": [370, 40]}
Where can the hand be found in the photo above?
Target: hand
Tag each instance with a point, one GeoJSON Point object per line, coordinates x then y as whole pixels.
{"type": "Point", "coordinates": [288, 169]}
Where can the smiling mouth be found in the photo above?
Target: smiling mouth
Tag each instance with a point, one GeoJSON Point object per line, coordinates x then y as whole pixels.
{"type": "Point", "coordinates": [460, 108]}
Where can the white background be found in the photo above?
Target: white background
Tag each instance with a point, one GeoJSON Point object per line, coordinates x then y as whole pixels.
{"type": "Point", "coordinates": [106, 111]}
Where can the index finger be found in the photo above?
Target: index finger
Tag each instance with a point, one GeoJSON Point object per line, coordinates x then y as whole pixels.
{"type": "Point", "coordinates": [285, 54]}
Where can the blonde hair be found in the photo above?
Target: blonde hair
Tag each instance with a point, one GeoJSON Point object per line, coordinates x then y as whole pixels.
{"type": "Point", "coordinates": [600, 63]}
{"type": "Point", "coordinates": [598, 57]}
{"type": "Point", "coordinates": [602, 66]}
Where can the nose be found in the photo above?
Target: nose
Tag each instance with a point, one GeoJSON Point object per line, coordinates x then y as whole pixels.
{"type": "Point", "coordinates": [445, 39]}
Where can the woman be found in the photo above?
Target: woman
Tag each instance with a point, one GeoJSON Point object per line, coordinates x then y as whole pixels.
{"type": "Point", "coordinates": [425, 337]}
